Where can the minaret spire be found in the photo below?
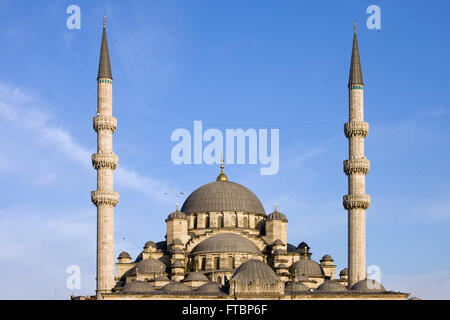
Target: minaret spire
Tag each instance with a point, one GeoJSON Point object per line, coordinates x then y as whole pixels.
{"type": "Point", "coordinates": [356, 168]}
{"type": "Point", "coordinates": [105, 162]}
{"type": "Point", "coordinates": [355, 64]}
{"type": "Point", "coordinates": [104, 67]}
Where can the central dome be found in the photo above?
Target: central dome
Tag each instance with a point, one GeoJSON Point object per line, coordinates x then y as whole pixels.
{"type": "Point", "coordinates": [226, 242]}
{"type": "Point", "coordinates": [220, 196]}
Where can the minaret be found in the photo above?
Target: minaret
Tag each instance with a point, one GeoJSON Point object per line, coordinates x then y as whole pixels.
{"type": "Point", "coordinates": [356, 168]}
{"type": "Point", "coordinates": [105, 161]}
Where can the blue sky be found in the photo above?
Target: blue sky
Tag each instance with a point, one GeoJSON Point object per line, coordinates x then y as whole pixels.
{"type": "Point", "coordinates": [258, 64]}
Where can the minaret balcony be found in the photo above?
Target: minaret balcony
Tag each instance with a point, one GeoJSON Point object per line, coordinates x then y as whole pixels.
{"type": "Point", "coordinates": [106, 160]}
{"type": "Point", "coordinates": [104, 197]}
{"type": "Point", "coordinates": [356, 201]}
{"type": "Point", "coordinates": [105, 122]}
{"type": "Point", "coordinates": [356, 128]}
{"type": "Point", "coordinates": [355, 166]}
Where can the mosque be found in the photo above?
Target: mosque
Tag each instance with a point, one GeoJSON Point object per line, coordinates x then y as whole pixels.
{"type": "Point", "coordinates": [222, 244]}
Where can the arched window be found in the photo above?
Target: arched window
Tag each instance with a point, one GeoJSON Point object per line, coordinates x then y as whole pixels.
{"type": "Point", "coordinates": [207, 222]}
{"type": "Point", "coordinates": [203, 263]}
{"type": "Point", "coordinates": [195, 222]}
{"type": "Point", "coordinates": [216, 263]}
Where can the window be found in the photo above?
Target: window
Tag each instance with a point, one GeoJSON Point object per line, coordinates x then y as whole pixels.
{"type": "Point", "coordinates": [203, 263]}
{"type": "Point", "coordinates": [216, 263]}
{"type": "Point", "coordinates": [245, 221]}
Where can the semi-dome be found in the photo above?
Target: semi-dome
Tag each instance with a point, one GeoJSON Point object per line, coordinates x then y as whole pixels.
{"type": "Point", "coordinates": [368, 285]}
{"type": "Point", "coordinates": [306, 267]}
{"type": "Point", "coordinates": [226, 242]}
{"type": "Point", "coordinates": [210, 287]}
{"type": "Point", "coordinates": [331, 286]}
{"type": "Point", "coordinates": [220, 196]}
{"type": "Point", "coordinates": [175, 287]}
{"type": "Point", "coordinates": [147, 266]}
{"type": "Point", "coordinates": [137, 287]}
{"type": "Point", "coordinates": [254, 271]}
{"type": "Point", "coordinates": [295, 286]}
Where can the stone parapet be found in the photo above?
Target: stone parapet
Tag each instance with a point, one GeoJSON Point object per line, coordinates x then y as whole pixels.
{"type": "Point", "coordinates": [356, 128]}
{"type": "Point", "coordinates": [107, 160]}
{"type": "Point", "coordinates": [104, 197]}
{"type": "Point", "coordinates": [105, 122]}
{"type": "Point", "coordinates": [352, 166]}
{"type": "Point", "coordinates": [356, 201]}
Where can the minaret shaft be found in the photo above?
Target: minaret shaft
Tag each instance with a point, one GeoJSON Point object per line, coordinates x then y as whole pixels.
{"type": "Point", "coordinates": [356, 167]}
{"type": "Point", "coordinates": [105, 162]}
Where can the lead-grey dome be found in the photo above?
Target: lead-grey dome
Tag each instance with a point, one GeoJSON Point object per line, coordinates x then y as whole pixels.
{"type": "Point", "coordinates": [175, 287]}
{"type": "Point", "coordinates": [331, 286]}
{"type": "Point", "coordinates": [195, 276]}
{"type": "Point", "coordinates": [307, 267]}
{"type": "Point", "coordinates": [276, 215]}
{"type": "Point", "coordinates": [222, 196]}
{"type": "Point", "coordinates": [368, 285]}
{"type": "Point", "coordinates": [147, 266]}
{"type": "Point", "coordinates": [137, 287]}
{"type": "Point", "coordinates": [295, 286]}
{"type": "Point", "coordinates": [254, 271]}
{"type": "Point", "coordinates": [226, 242]}
{"type": "Point", "coordinates": [210, 287]}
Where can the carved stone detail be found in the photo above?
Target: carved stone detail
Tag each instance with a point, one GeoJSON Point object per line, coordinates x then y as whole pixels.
{"type": "Point", "coordinates": [356, 201]}
{"type": "Point", "coordinates": [352, 166]}
{"type": "Point", "coordinates": [104, 197]}
{"type": "Point", "coordinates": [356, 128]}
{"type": "Point", "coordinates": [104, 122]}
{"type": "Point", "coordinates": [105, 160]}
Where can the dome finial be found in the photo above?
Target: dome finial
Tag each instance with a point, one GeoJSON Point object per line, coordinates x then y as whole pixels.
{"type": "Point", "coordinates": [222, 176]}
{"type": "Point", "coordinates": [177, 207]}
{"type": "Point", "coordinates": [275, 206]}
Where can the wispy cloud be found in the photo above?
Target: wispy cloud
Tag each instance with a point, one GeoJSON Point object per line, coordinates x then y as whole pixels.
{"type": "Point", "coordinates": [22, 109]}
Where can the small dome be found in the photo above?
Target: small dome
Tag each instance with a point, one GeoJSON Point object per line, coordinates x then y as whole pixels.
{"type": "Point", "coordinates": [162, 278]}
{"type": "Point", "coordinates": [301, 278]}
{"type": "Point", "coordinates": [277, 243]}
{"type": "Point", "coordinates": [331, 286]}
{"type": "Point", "coordinates": [195, 276]}
{"type": "Point", "coordinates": [295, 286]}
{"type": "Point", "coordinates": [137, 287]}
{"type": "Point", "coordinates": [344, 272]}
{"type": "Point", "coordinates": [303, 245]}
{"type": "Point", "coordinates": [326, 257]}
{"type": "Point", "coordinates": [147, 266]}
{"type": "Point", "coordinates": [177, 214]}
{"type": "Point", "coordinates": [149, 244]}
{"type": "Point", "coordinates": [220, 196]}
{"type": "Point", "coordinates": [226, 242]}
{"type": "Point", "coordinates": [177, 264]}
{"type": "Point", "coordinates": [254, 271]}
{"type": "Point", "coordinates": [210, 287]}
{"type": "Point", "coordinates": [276, 215]}
{"type": "Point", "coordinates": [177, 251]}
{"type": "Point", "coordinates": [307, 267]}
{"type": "Point", "coordinates": [368, 285]}
{"type": "Point", "coordinates": [177, 241]}
{"type": "Point", "coordinates": [280, 251]}
{"type": "Point", "coordinates": [124, 255]}
{"type": "Point", "coordinates": [176, 287]}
